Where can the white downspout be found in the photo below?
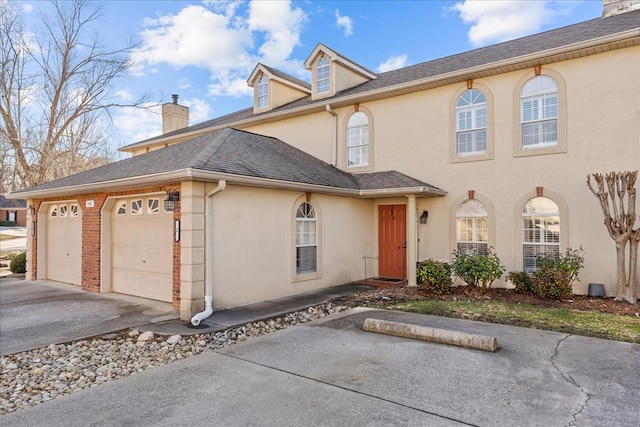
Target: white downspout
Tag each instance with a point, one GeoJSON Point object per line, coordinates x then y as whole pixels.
{"type": "Point", "coordinates": [334, 147]}
{"type": "Point", "coordinates": [208, 293]}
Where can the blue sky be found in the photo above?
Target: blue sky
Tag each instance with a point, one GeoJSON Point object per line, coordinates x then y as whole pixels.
{"type": "Point", "coordinates": [205, 50]}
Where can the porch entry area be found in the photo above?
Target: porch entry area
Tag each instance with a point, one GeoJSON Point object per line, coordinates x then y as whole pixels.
{"type": "Point", "coordinates": [392, 241]}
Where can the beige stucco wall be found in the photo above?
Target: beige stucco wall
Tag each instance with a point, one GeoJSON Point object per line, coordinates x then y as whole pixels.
{"type": "Point", "coordinates": [413, 134]}
{"type": "Point", "coordinates": [253, 243]}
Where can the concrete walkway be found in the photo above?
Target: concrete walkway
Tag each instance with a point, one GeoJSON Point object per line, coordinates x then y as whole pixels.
{"type": "Point", "coordinates": [330, 372]}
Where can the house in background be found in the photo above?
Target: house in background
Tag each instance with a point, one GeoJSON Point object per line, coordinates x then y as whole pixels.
{"type": "Point", "coordinates": [13, 211]}
{"type": "Point", "coordinates": [358, 173]}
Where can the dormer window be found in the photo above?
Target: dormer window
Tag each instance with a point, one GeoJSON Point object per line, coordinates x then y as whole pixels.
{"type": "Point", "coordinates": [263, 92]}
{"type": "Point", "coordinates": [323, 75]}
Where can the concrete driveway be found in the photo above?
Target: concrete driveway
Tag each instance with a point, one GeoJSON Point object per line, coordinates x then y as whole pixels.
{"type": "Point", "coordinates": [330, 372]}
{"type": "Point", "coordinates": [34, 315]}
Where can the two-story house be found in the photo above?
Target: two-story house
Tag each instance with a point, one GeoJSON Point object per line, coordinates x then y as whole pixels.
{"type": "Point", "coordinates": [359, 174]}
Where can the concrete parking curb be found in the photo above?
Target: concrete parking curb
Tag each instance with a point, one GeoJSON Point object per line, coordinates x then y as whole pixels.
{"type": "Point", "coordinates": [424, 333]}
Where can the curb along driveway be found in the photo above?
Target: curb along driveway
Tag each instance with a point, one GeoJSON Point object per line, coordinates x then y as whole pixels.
{"type": "Point", "coordinates": [330, 372]}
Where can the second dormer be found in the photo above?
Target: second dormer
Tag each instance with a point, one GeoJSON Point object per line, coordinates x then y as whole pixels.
{"type": "Point", "coordinates": [273, 88]}
{"type": "Point", "coordinates": [332, 72]}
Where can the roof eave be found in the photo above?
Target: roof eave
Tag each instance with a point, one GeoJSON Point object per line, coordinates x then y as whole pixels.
{"type": "Point", "coordinates": [492, 68]}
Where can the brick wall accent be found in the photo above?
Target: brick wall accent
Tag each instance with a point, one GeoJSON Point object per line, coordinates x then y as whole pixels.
{"type": "Point", "coordinates": [92, 236]}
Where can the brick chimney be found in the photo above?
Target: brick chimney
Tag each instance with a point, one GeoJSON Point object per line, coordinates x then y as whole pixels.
{"type": "Point", "coordinates": [616, 7]}
{"type": "Point", "coordinates": [174, 115]}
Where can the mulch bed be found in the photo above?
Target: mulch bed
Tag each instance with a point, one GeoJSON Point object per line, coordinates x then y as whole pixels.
{"type": "Point", "coordinates": [383, 296]}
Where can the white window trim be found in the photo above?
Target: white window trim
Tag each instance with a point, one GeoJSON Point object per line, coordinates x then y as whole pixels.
{"type": "Point", "coordinates": [262, 92]}
{"type": "Point", "coordinates": [360, 144]}
{"type": "Point", "coordinates": [474, 129]}
{"type": "Point", "coordinates": [325, 79]}
{"type": "Point", "coordinates": [317, 274]}
{"type": "Point", "coordinates": [474, 217]}
{"type": "Point", "coordinates": [488, 153]}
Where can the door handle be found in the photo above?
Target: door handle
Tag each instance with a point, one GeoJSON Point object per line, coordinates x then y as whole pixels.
{"type": "Point", "coordinates": [403, 246]}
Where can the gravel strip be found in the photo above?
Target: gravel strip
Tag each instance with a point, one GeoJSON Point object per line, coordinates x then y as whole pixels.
{"type": "Point", "coordinates": [35, 376]}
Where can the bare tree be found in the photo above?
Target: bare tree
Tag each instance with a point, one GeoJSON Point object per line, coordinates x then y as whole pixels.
{"type": "Point", "coordinates": [55, 93]}
{"type": "Point", "coordinates": [617, 195]}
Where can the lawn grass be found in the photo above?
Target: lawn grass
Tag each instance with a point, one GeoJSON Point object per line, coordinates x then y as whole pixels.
{"type": "Point", "coordinates": [578, 322]}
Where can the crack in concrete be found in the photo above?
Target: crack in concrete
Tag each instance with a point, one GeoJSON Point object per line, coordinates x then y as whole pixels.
{"type": "Point", "coordinates": [571, 381]}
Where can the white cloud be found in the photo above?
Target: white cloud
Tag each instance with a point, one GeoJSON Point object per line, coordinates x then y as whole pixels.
{"type": "Point", "coordinates": [199, 110]}
{"type": "Point", "coordinates": [281, 25]}
{"type": "Point", "coordinates": [393, 63]}
{"type": "Point", "coordinates": [496, 21]}
{"type": "Point", "coordinates": [225, 39]}
{"type": "Point", "coordinates": [124, 94]}
{"type": "Point", "coordinates": [137, 124]}
{"type": "Point", "coordinates": [184, 84]}
{"type": "Point", "coordinates": [344, 22]}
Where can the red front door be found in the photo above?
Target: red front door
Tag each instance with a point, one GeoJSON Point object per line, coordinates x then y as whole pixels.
{"type": "Point", "coordinates": [392, 241]}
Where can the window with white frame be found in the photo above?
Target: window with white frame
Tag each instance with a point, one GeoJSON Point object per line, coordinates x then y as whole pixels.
{"type": "Point", "coordinates": [358, 140]}
{"type": "Point", "coordinates": [539, 112]}
{"type": "Point", "coordinates": [74, 210]}
{"type": "Point", "coordinates": [263, 92]}
{"type": "Point", "coordinates": [53, 211]}
{"type": "Point", "coordinates": [540, 231]}
{"type": "Point", "coordinates": [472, 229]}
{"type": "Point", "coordinates": [136, 207]}
{"type": "Point", "coordinates": [122, 208]}
{"type": "Point", "coordinates": [63, 211]}
{"type": "Point", "coordinates": [153, 206]}
{"type": "Point", "coordinates": [323, 75]}
{"type": "Point", "coordinates": [471, 122]}
{"type": "Point", "coordinates": [306, 239]}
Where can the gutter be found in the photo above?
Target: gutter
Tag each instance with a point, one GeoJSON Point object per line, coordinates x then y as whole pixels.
{"type": "Point", "coordinates": [200, 175]}
{"type": "Point", "coordinates": [208, 295]}
{"type": "Point", "coordinates": [334, 143]}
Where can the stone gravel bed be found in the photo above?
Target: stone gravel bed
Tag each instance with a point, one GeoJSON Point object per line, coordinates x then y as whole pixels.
{"type": "Point", "coordinates": [32, 377]}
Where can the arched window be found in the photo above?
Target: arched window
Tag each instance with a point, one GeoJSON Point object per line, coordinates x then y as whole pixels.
{"type": "Point", "coordinates": [323, 75]}
{"type": "Point", "coordinates": [540, 231]}
{"type": "Point", "coordinates": [472, 230]}
{"type": "Point", "coordinates": [306, 239]}
{"type": "Point", "coordinates": [539, 112]}
{"type": "Point", "coordinates": [471, 122]}
{"type": "Point", "coordinates": [263, 92]}
{"type": "Point", "coordinates": [358, 140]}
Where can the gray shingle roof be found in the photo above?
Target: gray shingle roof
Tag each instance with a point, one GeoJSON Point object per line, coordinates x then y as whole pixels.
{"type": "Point", "coordinates": [572, 34]}
{"type": "Point", "coordinates": [12, 204]}
{"type": "Point", "coordinates": [240, 153]}
{"type": "Point", "coordinates": [288, 77]}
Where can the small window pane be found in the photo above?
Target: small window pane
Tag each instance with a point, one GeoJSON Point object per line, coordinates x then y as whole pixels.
{"type": "Point", "coordinates": [136, 207]}
{"type": "Point", "coordinates": [53, 211]}
{"type": "Point", "coordinates": [75, 210]}
{"type": "Point", "coordinates": [153, 206]}
{"type": "Point", "coordinates": [63, 211]}
{"type": "Point", "coordinates": [122, 208]}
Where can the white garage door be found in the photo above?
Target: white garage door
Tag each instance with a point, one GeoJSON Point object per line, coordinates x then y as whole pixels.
{"type": "Point", "coordinates": [142, 248]}
{"type": "Point", "coordinates": [64, 243]}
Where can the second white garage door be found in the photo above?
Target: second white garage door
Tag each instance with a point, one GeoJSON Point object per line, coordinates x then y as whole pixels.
{"type": "Point", "coordinates": [142, 248]}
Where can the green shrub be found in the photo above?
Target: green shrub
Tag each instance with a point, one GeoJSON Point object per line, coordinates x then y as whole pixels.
{"type": "Point", "coordinates": [521, 280]}
{"type": "Point", "coordinates": [476, 269]}
{"type": "Point", "coordinates": [19, 263]}
{"type": "Point", "coordinates": [548, 282]}
{"type": "Point", "coordinates": [555, 275]}
{"type": "Point", "coordinates": [435, 275]}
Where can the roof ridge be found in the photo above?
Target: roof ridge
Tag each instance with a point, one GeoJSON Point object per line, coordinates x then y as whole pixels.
{"type": "Point", "coordinates": [201, 159]}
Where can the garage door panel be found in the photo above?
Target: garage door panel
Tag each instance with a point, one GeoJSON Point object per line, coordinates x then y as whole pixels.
{"type": "Point", "coordinates": [142, 254]}
{"type": "Point", "coordinates": [64, 245]}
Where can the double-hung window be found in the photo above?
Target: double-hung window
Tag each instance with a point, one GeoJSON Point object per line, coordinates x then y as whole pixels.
{"type": "Point", "coordinates": [358, 140]}
{"type": "Point", "coordinates": [323, 75]}
{"type": "Point", "coordinates": [263, 92]}
{"type": "Point", "coordinates": [539, 112]}
{"type": "Point", "coordinates": [540, 231]}
{"type": "Point", "coordinates": [306, 239]}
{"type": "Point", "coordinates": [472, 230]}
{"type": "Point", "coordinates": [471, 123]}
